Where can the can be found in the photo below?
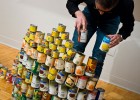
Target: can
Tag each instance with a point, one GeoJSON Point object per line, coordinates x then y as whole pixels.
{"type": "Point", "coordinates": [32, 36]}
{"type": "Point", "coordinates": [82, 82]}
{"type": "Point", "coordinates": [28, 78]}
{"type": "Point", "coordinates": [28, 51]}
{"type": "Point", "coordinates": [55, 98]}
{"type": "Point", "coordinates": [32, 28]}
{"type": "Point", "coordinates": [78, 59]}
{"type": "Point", "coordinates": [29, 63]}
{"type": "Point", "coordinates": [91, 84]}
{"type": "Point", "coordinates": [61, 54]}
{"type": "Point", "coordinates": [34, 53]}
{"type": "Point", "coordinates": [47, 51]}
{"type": "Point", "coordinates": [18, 81]}
{"type": "Point", "coordinates": [26, 47]}
{"type": "Point", "coordinates": [49, 38]}
{"type": "Point", "coordinates": [105, 44]}
{"type": "Point", "coordinates": [24, 72]}
{"type": "Point", "coordinates": [69, 67]}
{"type": "Point", "coordinates": [9, 76]}
{"type": "Point", "coordinates": [39, 36]}
{"type": "Point", "coordinates": [29, 92]}
{"type": "Point", "coordinates": [61, 27]}
{"type": "Point", "coordinates": [55, 54]}
{"type": "Point", "coordinates": [80, 70]}
{"type": "Point", "coordinates": [91, 66]}
{"type": "Point", "coordinates": [44, 84]}
{"type": "Point", "coordinates": [60, 77]}
{"type": "Point", "coordinates": [58, 41]}
{"type": "Point", "coordinates": [52, 73]}
{"type": "Point", "coordinates": [92, 95]}
{"type": "Point", "coordinates": [53, 87]}
{"type": "Point", "coordinates": [40, 48]}
{"type": "Point", "coordinates": [62, 91]}
{"type": "Point", "coordinates": [46, 96]}
{"type": "Point", "coordinates": [61, 49]}
{"type": "Point", "coordinates": [69, 44]}
{"type": "Point", "coordinates": [65, 57]}
{"type": "Point", "coordinates": [82, 94]}
{"type": "Point", "coordinates": [25, 57]}
{"type": "Point", "coordinates": [100, 94]}
{"type": "Point", "coordinates": [27, 39]}
{"type": "Point", "coordinates": [49, 61]}
{"type": "Point", "coordinates": [36, 67]}
{"type": "Point", "coordinates": [72, 94]}
{"type": "Point", "coordinates": [33, 44]}
{"type": "Point", "coordinates": [24, 87]}
{"type": "Point", "coordinates": [71, 80]}
{"type": "Point", "coordinates": [20, 70]}
{"type": "Point", "coordinates": [20, 55]}
{"type": "Point", "coordinates": [35, 81]}
{"type": "Point", "coordinates": [45, 43]}
{"type": "Point", "coordinates": [59, 64]}
{"type": "Point", "coordinates": [65, 35]}
{"type": "Point", "coordinates": [52, 46]}
{"type": "Point", "coordinates": [23, 43]}
{"type": "Point", "coordinates": [37, 95]}
{"type": "Point", "coordinates": [55, 33]}
{"type": "Point", "coordinates": [83, 36]}
{"type": "Point", "coordinates": [71, 52]}
{"type": "Point", "coordinates": [41, 58]}
{"type": "Point", "coordinates": [43, 71]}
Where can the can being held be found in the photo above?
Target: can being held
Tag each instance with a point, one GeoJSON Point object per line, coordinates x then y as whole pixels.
{"type": "Point", "coordinates": [32, 28]}
{"type": "Point", "coordinates": [105, 44]}
{"type": "Point", "coordinates": [83, 36]}
{"type": "Point", "coordinates": [55, 33]}
{"type": "Point", "coordinates": [62, 91]}
{"type": "Point", "coordinates": [61, 28]}
{"type": "Point", "coordinates": [60, 77]}
{"type": "Point", "coordinates": [78, 59]}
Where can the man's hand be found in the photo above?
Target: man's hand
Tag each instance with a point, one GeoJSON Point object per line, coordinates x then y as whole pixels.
{"type": "Point", "coordinates": [115, 39]}
{"type": "Point", "coordinates": [81, 22]}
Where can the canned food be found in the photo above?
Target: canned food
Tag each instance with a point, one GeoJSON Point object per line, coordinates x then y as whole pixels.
{"type": "Point", "coordinates": [37, 95]}
{"type": "Point", "coordinates": [71, 52]}
{"type": "Point", "coordinates": [24, 87]}
{"type": "Point", "coordinates": [41, 58]}
{"type": "Point", "coordinates": [65, 35]}
{"type": "Point", "coordinates": [83, 36]}
{"type": "Point", "coordinates": [78, 59]}
{"type": "Point", "coordinates": [100, 94]}
{"type": "Point", "coordinates": [44, 85]}
{"type": "Point", "coordinates": [20, 55]}
{"type": "Point", "coordinates": [66, 57]}
{"type": "Point", "coordinates": [79, 71]}
{"type": "Point", "coordinates": [28, 78]}
{"type": "Point", "coordinates": [59, 64]}
{"type": "Point", "coordinates": [62, 91]}
{"type": "Point", "coordinates": [52, 46]}
{"type": "Point", "coordinates": [32, 28]}
{"type": "Point", "coordinates": [35, 81]}
{"type": "Point", "coordinates": [46, 96]}
{"type": "Point", "coordinates": [53, 86]}
{"type": "Point", "coordinates": [28, 51]}
{"type": "Point", "coordinates": [69, 44]}
{"type": "Point", "coordinates": [34, 53]}
{"type": "Point", "coordinates": [23, 44]}
{"type": "Point", "coordinates": [45, 43]}
{"type": "Point", "coordinates": [82, 82]}
{"type": "Point", "coordinates": [27, 39]}
{"type": "Point", "coordinates": [36, 67]}
{"type": "Point", "coordinates": [61, 28]}
{"type": "Point", "coordinates": [58, 41]}
{"type": "Point", "coordinates": [62, 49]}
{"type": "Point", "coordinates": [29, 92]}
{"type": "Point", "coordinates": [61, 54]}
{"type": "Point", "coordinates": [105, 44]}
{"type": "Point", "coordinates": [43, 71]}
{"type": "Point", "coordinates": [71, 80]}
{"type": "Point", "coordinates": [33, 44]}
{"type": "Point", "coordinates": [55, 54]}
{"type": "Point", "coordinates": [49, 38]}
{"type": "Point", "coordinates": [39, 36]}
{"type": "Point", "coordinates": [72, 94]}
{"type": "Point", "coordinates": [40, 48]}
{"type": "Point", "coordinates": [52, 73]}
{"type": "Point", "coordinates": [69, 67]}
{"type": "Point", "coordinates": [55, 33]}
{"type": "Point", "coordinates": [92, 95]}
{"type": "Point", "coordinates": [26, 47]}
{"type": "Point", "coordinates": [49, 61]}
{"type": "Point", "coordinates": [60, 77]}
{"type": "Point", "coordinates": [29, 63]}
{"type": "Point", "coordinates": [91, 84]}
{"type": "Point", "coordinates": [55, 98]}
{"type": "Point", "coordinates": [91, 65]}
{"type": "Point", "coordinates": [47, 51]}
{"type": "Point", "coordinates": [24, 72]}
{"type": "Point", "coordinates": [32, 36]}
{"type": "Point", "coordinates": [82, 95]}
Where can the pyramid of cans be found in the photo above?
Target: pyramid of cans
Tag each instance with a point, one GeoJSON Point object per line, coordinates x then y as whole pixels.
{"type": "Point", "coordinates": [48, 68]}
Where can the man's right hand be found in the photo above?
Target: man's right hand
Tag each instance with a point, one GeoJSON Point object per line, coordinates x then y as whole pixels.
{"type": "Point", "coordinates": [81, 22]}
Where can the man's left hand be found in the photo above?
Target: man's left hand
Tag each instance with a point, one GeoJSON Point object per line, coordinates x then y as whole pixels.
{"type": "Point", "coordinates": [115, 39]}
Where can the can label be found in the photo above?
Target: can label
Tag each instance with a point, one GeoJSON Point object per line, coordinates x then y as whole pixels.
{"type": "Point", "coordinates": [71, 80]}
{"type": "Point", "coordinates": [32, 36]}
{"type": "Point", "coordinates": [90, 85]}
{"type": "Point", "coordinates": [29, 63]}
{"type": "Point", "coordinates": [41, 58]}
{"type": "Point", "coordinates": [59, 64]}
{"type": "Point", "coordinates": [82, 82]}
{"type": "Point", "coordinates": [62, 91]}
{"type": "Point", "coordinates": [29, 92]}
{"type": "Point", "coordinates": [61, 49]}
{"type": "Point", "coordinates": [28, 78]}
{"type": "Point", "coordinates": [40, 48]}
{"type": "Point", "coordinates": [105, 44]}
{"type": "Point", "coordinates": [55, 33]}
{"type": "Point", "coordinates": [35, 81]}
{"type": "Point", "coordinates": [44, 85]}
{"type": "Point", "coordinates": [43, 71]}
{"type": "Point", "coordinates": [52, 46]}
{"type": "Point", "coordinates": [69, 44]}
{"type": "Point", "coordinates": [82, 95]}
{"type": "Point", "coordinates": [61, 28]}
{"type": "Point", "coordinates": [58, 41]}
{"type": "Point", "coordinates": [39, 36]}
{"type": "Point", "coordinates": [55, 54]}
{"type": "Point", "coordinates": [64, 35]}
{"type": "Point", "coordinates": [79, 71]}
{"type": "Point", "coordinates": [60, 77]}
{"type": "Point", "coordinates": [69, 67]}
{"type": "Point", "coordinates": [49, 61]}
{"type": "Point", "coordinates": [46, 96]}
{"type": "Point", "coordinates": [53, 86]}
{"type": "Point", "coordinates": [92, 95]}
{"type": "Point", "coordinates": [78, 59]}
{"type": "Point", "coordinates": [49, 38]}
{"type": "Point", "coordinates": [83, 36]}
{"type": "Point", "coordinates": [23, 87]}
{"type": "Point", "coordinates": [71, 94]}
{"type": "Point", "coordinates": [33, 28]}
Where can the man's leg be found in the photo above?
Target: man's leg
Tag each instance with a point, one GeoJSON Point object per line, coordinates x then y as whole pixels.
{"type": "Point", "coordinates": [107, 27]}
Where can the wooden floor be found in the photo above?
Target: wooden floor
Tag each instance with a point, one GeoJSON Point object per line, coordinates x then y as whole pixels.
{"type": "Point", "coordinates": [7, 54]}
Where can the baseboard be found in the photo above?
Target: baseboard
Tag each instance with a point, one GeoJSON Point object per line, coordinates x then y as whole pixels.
{"type": "Point", "coordinates": [10, 42]}
{"type": "Point", "coordinates": [115, 80]}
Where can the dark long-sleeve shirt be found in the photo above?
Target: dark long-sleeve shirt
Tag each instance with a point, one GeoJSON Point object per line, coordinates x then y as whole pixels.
{"type": "Point", "coordinates": [124, 9]}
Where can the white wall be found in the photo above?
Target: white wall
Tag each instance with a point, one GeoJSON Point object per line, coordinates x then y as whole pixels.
{"type": "Point", "coordinates": [122, 64]}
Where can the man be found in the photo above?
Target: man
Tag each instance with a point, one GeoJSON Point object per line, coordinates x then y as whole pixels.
{"type": "Point", "coordinates": [102, 17]}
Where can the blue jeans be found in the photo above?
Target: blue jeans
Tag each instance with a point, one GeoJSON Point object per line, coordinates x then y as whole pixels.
{"type": "Point", "coordinates": [102, 28]}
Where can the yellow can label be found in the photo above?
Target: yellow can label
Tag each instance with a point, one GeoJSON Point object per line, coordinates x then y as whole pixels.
{"type": "Point", "coordinates": [69, 44]}
{"type": "Point", "coordinates": [40, 48]}
{"type": "Point", "coordinates": [55, 33]}
{"type": "Point", "coordinates": [58, 41]}
{"type": "Point", "coordinates": [51, 77]}
{"type": "Point", "coordinates": [27, 39]}
{"type": "Point", "coordinates": [64, 36]}
{"type": "Point", "coordinates": [61, 28]}
{"type": "Point", "coordinates": [65, 57]}
{"type": "Point", "coordinates": [32, 36]}
{"type": "Point", "coordinates": [61, 49]}
{"type": "Point", "coordinates": [52, 46]}
{"type": "Point", "coordinates": [33, 28]}
{"type": "Point", "coordinates": [50, 38]}
{"type": "Point", "coordinates": [55, 54]}
{"type": "Point", "coordinates": [71, 52]}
